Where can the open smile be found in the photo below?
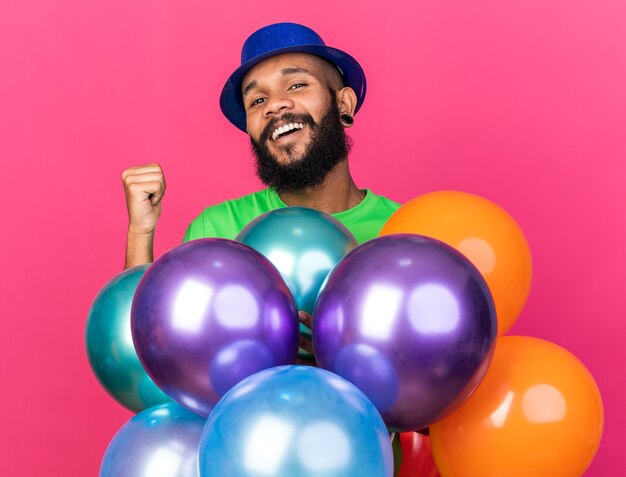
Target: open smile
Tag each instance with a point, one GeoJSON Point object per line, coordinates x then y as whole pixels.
{"type": "Point", "coordinates": [286, 130]}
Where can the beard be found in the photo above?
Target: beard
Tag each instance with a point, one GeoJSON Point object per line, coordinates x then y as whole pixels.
{"type": "Point", "coordinates": [328, 147]}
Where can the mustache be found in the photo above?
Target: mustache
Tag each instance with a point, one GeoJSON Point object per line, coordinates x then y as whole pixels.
{"type": "Point", "coordinates": [286, 118]}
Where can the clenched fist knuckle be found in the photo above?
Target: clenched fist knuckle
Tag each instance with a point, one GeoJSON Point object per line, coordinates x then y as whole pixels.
{"type": "Point", "coordinates": [135, 188]}
{"type": "Point", "coordinates": [126, 175]}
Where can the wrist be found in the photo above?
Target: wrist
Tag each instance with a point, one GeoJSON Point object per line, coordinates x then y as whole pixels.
{"type": "Point", "coordinates": [139, 248]}
{"type": "Point", "coordinates": [140, 232]}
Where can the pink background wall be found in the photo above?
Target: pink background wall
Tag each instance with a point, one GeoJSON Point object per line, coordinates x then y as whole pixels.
{"type": "Point", "coordinates": [522, 102]}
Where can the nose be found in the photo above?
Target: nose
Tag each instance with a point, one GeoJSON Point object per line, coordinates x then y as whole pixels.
{"type": "Point", "coordinates": [276, 105]}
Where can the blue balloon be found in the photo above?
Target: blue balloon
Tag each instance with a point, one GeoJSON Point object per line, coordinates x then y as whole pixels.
{"type": "Point", "coordinates": [110, 348]}
{"type": "Point", "coordinates": [161, 441]}
{"type": "Point", "coordinates": [295, 421]}
{"type": "Point", "coordinates": [304, 244]}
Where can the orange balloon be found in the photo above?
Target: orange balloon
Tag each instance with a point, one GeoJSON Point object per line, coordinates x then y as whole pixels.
{"type": "Point", "coordinates": [538, 412]}
{"type": "Point", "coordinates": [485, 233]}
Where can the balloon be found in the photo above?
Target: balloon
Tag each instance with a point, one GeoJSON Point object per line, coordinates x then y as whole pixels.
{"type": "Point", "coordinates": [209, 313]}
{"type": "Point", "coordinates": [110, 347]}
{"type": "Point", "coordinates": [304, 244]}
{"type": "Point", "coordinates": [295, 421]}
{"type": "Point", "coordinates": [410, 322]}
{"type": "Point", "coordinates": [417, 458]}
{"type": "Point", "coordinates": [482, 231]}
{"type": "Point", "coordinates": [537, 412]}
{"type": "Point", "coordinates": [161, 441]}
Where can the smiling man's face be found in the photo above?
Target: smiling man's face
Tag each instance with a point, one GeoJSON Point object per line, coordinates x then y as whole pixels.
{"type": "Point", "coordinates": [279, 91]}
{"type": "Point", "coordinates": [293, 120]}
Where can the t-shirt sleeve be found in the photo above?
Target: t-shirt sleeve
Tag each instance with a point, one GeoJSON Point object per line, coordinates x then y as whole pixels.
{"type": "Point", "coordinates": [199, 228]}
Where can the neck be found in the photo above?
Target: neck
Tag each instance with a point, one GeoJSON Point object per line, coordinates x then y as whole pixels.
{"type": "Point", "coordinates": [337, 193]}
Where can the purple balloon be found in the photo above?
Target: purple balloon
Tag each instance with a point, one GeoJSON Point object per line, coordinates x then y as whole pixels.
{"type": "Point", "coordinates": [208, 314]}
{"type": "Point", "coordinates": [411, 322]}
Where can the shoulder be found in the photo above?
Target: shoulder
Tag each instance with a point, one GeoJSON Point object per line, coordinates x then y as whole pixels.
{"type": "Point", "coordinates": [248, 204]}
{"type": "Point", "coordinates": [381, 201]}
{"type": "Point", "coordinates": [367, 218]}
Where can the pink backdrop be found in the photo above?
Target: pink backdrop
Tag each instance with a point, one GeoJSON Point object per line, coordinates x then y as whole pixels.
{"type": "Point", "coordinates": [522, 102]}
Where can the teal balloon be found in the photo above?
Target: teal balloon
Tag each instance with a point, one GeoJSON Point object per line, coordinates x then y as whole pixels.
{"type": "Point", "coordinates": [110, 348]}
{"type": "Point", "coordinates": [304, 244]}
{"type": "Point", "coordinates": [296, 421]}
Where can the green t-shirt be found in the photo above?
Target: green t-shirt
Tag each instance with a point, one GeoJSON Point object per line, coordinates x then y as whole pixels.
{"type": "Point", "coordinates": [226, 219]}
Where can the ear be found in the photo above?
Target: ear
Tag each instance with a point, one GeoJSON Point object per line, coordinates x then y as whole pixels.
{"type": "Point", "coordinates": [346, 102]}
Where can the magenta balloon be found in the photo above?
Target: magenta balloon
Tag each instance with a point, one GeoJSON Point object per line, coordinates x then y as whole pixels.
{"type": "Point", "coordinates": [208, 314]}
{"type": "Point", "coordinates": [411, 322]}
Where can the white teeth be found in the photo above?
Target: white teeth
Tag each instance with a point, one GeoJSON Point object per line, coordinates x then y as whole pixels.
{"type": "Point", "coordinates": [285, 128]}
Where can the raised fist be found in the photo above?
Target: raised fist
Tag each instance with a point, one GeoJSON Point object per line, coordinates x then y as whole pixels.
{"type": "Point", "coordinates": [144, 187]}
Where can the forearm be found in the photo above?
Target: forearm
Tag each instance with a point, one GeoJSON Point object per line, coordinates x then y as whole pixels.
{"type": "Point", "coordinates": [139, 249]}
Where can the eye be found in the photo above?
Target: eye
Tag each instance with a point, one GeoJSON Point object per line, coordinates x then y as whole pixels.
{"type": "Point", "coordinates": [297, 86]}
{"type": "Point", "coordinates": [257, 101]}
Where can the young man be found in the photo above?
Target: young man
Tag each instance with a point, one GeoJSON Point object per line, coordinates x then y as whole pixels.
{"type": "Point", "coordinates": [295, 97]}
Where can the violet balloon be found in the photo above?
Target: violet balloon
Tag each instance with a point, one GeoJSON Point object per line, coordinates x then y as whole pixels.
{"type": "Point", "coordinates": [208, 314]}
{"type": "Point", "coordinates": [411, 322]}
